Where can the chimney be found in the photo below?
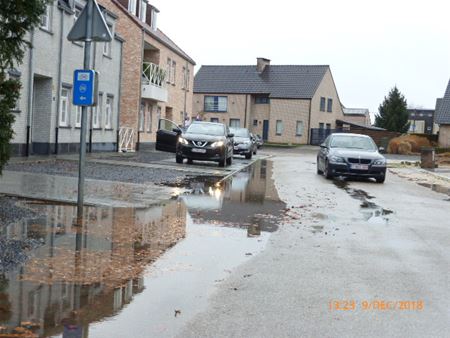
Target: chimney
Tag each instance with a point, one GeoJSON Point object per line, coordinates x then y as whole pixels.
{"type": "Point", "coordinates": [261, 64]}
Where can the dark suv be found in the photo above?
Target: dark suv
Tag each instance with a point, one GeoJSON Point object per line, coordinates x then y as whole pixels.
{"type": "Point", "coordinates": [202, 141]}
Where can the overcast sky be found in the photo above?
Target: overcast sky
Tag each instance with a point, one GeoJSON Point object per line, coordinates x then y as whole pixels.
{"type": "Point", "coordinates": [370, 45]}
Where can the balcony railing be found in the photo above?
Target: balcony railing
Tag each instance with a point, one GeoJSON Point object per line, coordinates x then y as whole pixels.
{"type": "Point", "coordinates": [153, 74]}
{"type": "Point", "coordinates": [154, 82]}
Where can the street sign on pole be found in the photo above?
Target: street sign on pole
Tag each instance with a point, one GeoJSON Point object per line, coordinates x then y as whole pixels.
{"type": "Point", "coordinates": [84, 87]}
{"type": "Point", "coordinates": [90, 26]}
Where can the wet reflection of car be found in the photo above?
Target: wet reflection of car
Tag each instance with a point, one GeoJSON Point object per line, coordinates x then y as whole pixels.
{"type": "Point", "coordinates": [243, 142]}
{"type": "Point", "coordinates": [202, 141]}
{"type": "Point", "coordinates": [351, 155]}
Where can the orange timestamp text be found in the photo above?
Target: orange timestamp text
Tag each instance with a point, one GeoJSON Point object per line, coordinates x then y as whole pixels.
{"type": "Point", "coordinates": [376, 305]}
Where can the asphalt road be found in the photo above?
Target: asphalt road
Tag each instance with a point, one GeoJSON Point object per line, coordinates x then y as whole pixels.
{"type": "Point", "coordinates": [355, 259]}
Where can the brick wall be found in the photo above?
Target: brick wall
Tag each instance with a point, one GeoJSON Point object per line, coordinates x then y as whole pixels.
{"type": "Point", "coordinates": [289, 112]}
{"type": "Point", "coordinates": [444, 135]}
{"type": "Point", "coordinates": [235, 108]}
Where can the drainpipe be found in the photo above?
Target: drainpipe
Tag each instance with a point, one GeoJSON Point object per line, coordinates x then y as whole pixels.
{"type": "Point", "coordinates": [119, 97]}
{"type": "Point", "coordinates": [245, 115]}
{"type": "Point", "coordinates": [140, 86]}
{"type": "Point", "coordinates": [30, 95]}
{"type": "Point", "coordinates": [309, 123]}
{"type": "Point", "coordinates": [58, 95]}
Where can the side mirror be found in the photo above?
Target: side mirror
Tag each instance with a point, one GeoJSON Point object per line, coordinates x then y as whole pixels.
{"type": "Point", "coordinates": [230, 135]}
{"type": "Point", "coordinates": [381, 149]}
{"type": "Point", "coordinates": [177, 130]}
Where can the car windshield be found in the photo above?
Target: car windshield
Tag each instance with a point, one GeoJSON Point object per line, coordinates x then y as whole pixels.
{"type": "Point", "coordinates": [352, 142]}
{"type": "Point", "coordinates": [240, 132]}
{"type": "Point", "coordinates": [207, 129]}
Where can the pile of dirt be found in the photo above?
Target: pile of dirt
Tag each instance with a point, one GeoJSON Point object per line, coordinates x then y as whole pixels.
{"type": "Point", "coordinates": [407, 144]}
{"type": "Point", "coordinates": [443, 159]}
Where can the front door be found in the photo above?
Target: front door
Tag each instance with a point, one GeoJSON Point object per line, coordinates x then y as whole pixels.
{"type": "Point", "coordinates": [265, 134]}
{"type": "Point", "coordinates": [167, 136]}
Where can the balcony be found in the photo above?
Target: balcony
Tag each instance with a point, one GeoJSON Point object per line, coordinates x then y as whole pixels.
{"type": "Point", "coordinates": [154, 82]}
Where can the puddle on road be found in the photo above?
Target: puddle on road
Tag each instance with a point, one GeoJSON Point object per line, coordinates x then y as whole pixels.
{"type": "Point", "coordinates": [66, 278]}
{"type": "Point", "coordinates": [371, 212]}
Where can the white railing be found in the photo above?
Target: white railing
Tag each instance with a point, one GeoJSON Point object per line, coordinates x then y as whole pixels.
{"type": "Point", "coordinates": [126, 139]}
{"type": "Point", "coordinates": [153, 74]}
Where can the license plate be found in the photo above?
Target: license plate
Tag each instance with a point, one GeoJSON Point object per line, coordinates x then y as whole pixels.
{"type": "Point", "coordinates": [360, 166]}
{"type": "Point", "coordinates": [198, 150]}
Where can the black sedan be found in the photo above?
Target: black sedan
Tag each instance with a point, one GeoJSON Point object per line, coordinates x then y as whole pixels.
{"type": "Point", "coordinates": [351, 155]}
{"type": "Point", "coordinates": [202, 141]}
{"type": "Point", "coordinates": [243, 142]}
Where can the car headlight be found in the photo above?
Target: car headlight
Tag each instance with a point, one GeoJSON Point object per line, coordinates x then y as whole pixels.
{"type": "Point", "coordinates": [336, 159]}
{"type": "Point", "coordinates": [217, 144]}
{"type": "Point", "coordinates": [381, 161]}
{"type": "Point", "coordinates": [182, 140]}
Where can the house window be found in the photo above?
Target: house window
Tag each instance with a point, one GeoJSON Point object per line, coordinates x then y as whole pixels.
{"type": "Point", "coordinates": [76, 13]}
{"type": "Point", "coordinates": [183, 85]}
{"type": "Point", "coordinates": [158, 113]}
{"type": "Point", "coordinates": [154, 17]}
{"type": "Point", "coordinates": [322, 104]}
{"type": "Point", "coordinates": [132, 6]}
{"type": "Point", "coordinates": [45, 18]}
{"type": "Point", "coordinates": [328, 125]}
{"type": "Point", "coordinates": [149, 119]}
{"type": "Point", "coordinates": [255, 123]}
{"type": "Point", "coordinates": [235, 123]}
{"type": "Point", "coordinates": [64, 107]}
{"type": "Point", "coordinates": [109, 112]}
{"type": "Point", "coordinates": [169, 70]}
{"type": "Point", "coordinates": [215, 104]}
{"type": "Point", "coordinates": [15, 77]}
{"type": "Point", "coordinates": [143, 12]}
{"type": "Point", "coordinates": [299, 128]}
{"type": "Point", "coordinates": [78, 112]}
{"type": "Point", "coordinates": [174, 68]}
{"type": "Point", "coordinates": [330, 105]}
{"type": "Point", "coordinates": [279, 127]}
{"type": "Point", "coordinates": [97, 113]}
{"type": "Point", "coordinates": [188, 77]}
{"type": "Point", "coordinates": [214, 119]}
{"type": "Point", "coordinates": [321, 126]}
{"type": "Point", "coordinates": [107, 45]}
{"type": "Point", "coordinates": [142, 117]}
{"type": "Point", "coordinates": [262, 100]}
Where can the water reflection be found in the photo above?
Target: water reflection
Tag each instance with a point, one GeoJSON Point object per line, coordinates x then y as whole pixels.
{"type": "Point", "coordinates": [75, 276]}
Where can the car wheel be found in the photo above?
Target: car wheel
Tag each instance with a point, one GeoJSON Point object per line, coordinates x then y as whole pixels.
{"type": "Point", "coordinates": [229, 160]}
{"type": "Point", "coordinates": [326, 172]}
{"type": "Point", "coordinates": [190, 161]}
{"type": "Point", "coordinates": [254, 153]}
{"type": "Point", "coordinates": [248, 156]}
{"type": "Point", "coordinates": [179, 159]}
{"type": "Point", "coordinates": [319, 172]}
{"type": "Point", "coordinates": [222, 163]}
{"type": "Point", "coordinates": [380, 179]}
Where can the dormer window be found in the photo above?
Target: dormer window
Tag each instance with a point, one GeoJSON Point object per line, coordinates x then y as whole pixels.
{"type": "Point", "coordinates": [132, 6]}
{"type": "Point", "coordinates": [154, 18]}
{"type": "Point", "coordinates": [143, 13]}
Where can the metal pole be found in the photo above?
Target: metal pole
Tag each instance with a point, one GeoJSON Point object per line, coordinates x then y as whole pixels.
{"type": "Point", "coordinates": [87, 64]}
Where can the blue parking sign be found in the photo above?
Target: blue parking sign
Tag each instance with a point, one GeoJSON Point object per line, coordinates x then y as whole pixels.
{"type": "Point", "coordinates": [84, 87]}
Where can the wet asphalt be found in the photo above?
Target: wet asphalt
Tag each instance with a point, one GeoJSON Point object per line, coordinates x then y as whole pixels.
{"type": "Point", "coordinates": [352, 259]}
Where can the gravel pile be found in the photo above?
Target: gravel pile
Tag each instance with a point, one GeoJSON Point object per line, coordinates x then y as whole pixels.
{"type": "Point", "coordinates": [100, 171]}
{"type": "Point", "coordinates": [14, 252]}
{"type": "Point", "coordinates": [11, 211]}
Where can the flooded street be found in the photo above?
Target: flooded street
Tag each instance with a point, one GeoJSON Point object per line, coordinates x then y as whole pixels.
{"type": "Point", "coordinates": [114, 276]}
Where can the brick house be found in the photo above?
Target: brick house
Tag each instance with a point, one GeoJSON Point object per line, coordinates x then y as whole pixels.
{"type": "Point", "coordinates": [442, 118]}
{"type": "Point", "coordinates": [280, 102]}
{"type": "Point", "coordinates": [46, 122]}
{"type": "Point", "coordinates": [157, 76]}
{"type": "Point", "coordinates": [359, 116]}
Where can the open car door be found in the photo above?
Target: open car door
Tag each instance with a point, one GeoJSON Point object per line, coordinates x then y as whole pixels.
{"type": "Point", "coordinates": [167, 136]}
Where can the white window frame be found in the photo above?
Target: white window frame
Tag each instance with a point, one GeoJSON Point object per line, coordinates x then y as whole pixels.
{"type": "Point", "coordinates": [142, 118]}
{"type": "Point", "coordinates": [149, 119]}
{"type": "Point", "coordinates": [174, 71]}
{"type": "Point", "coordinates": [188, 77]}
{"type": "Point", "coordinates": [132, 6]}
{"type": "Point", "coordinates": [109, 111]}
{"type": "Point", "coordinates": [302, 128]}
{"type": "Point", "coordinates": [235, 120]}
{"type": "Point", "coordinates": [64, 122]}
{"type": "Point", "coordinates": [107, 45]}
{"type": "Point", "coordinates": [78, 113]}
{"type": "Point", "coordinates": [279, 128]}
{"type": "Point", "coordinates": [183, 85]}
{"type": "Point", "coordinates": [97, 113]}
{"type": "Point", "coordinates": [169, 70]}
{"type": "Point", "coordinates": [46, 18]}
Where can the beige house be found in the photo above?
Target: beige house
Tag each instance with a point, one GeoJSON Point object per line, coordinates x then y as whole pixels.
{"type": "Point", "coordinates": [358, 116]}
{"type": "Point", "coordinates": [282, 103]}
{"type": "Point", "coordinates": [442, 118]}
